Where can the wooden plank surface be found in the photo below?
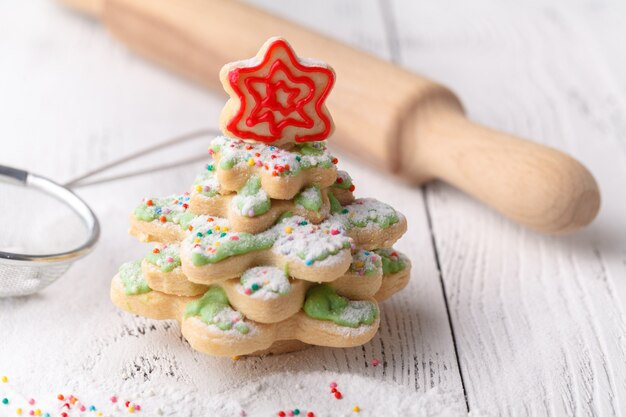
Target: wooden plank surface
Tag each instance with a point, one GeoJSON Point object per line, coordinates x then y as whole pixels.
{"type": "Point", "coordinates": [78, 100]}
{"type": "Point", "coordinates": [538, 320]}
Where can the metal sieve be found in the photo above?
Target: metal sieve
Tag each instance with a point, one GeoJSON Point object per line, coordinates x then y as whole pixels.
{"type": "Point", "coordinates": [27, 273]}
{"type": "Point", "coordinates": [21, 273]}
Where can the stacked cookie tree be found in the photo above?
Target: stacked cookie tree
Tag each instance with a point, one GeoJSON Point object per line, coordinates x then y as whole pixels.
{"type": "Point", "coordinates": [269, 251]}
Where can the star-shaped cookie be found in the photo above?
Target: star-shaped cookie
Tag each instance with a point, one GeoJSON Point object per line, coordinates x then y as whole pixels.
{"type": "Point", "coordinates": [277, 97]}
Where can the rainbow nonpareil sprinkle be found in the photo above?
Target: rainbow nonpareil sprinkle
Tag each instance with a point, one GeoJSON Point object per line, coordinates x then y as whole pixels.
{"type": "Point", "coordinates": [57, 405]}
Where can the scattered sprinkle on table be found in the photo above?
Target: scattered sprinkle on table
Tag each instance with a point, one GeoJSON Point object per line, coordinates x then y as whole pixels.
{"type": "Point", "coordinates": [62, 405]}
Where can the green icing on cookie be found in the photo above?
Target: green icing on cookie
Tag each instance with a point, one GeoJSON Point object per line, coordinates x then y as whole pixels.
{"type": "Point", "coordinates": [310, 149]}
{"type": "Point", "coordinates": [206, 183]}
{"type": "Point", "coordinates": [310, 198]}
{"type": "Point", "coordinates": [343, 181]}
{"type": "Point", "coordinates": [226, 248]}
{"type": "Point", "coordinates": [366, 211]}
{"type": "Point", "coordinates": [174, 209]}
{"type": "Point", "coordinates": [393, 261]}
{"type": "Point", "coordinates": [228, 162]}
{"type": "Point", "coordinates": [165, 257]}
{"type": "Point", "coordinates": [365, 263]}
{"type": "Point", "coordinates": [215, 147]}
{"type": "Point", "coordinates": [213, 308]}
{"type": "Point", "coordinates": [252, 200]}
{"type": "Point", "coordinates": [335, 205]}
{"type": "Point", "coordinates": [323, 303]}
{"type": "Point", "coordinates": [292, 237]}
{"type": "Point", "coordinates": [132, 278]}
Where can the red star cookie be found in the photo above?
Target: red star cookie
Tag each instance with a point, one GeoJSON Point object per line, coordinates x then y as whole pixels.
{"type": "Point", "coordinates": [276, 97]}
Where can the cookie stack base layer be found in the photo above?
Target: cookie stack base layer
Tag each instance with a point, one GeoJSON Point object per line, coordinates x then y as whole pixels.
{"type": "Point", "coordinates": [262, 338]}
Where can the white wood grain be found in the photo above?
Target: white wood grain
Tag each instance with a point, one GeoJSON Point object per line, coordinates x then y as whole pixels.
{"type": "Point", "coordinates": [78, 99]}
{"type": "Point", "coordinates": [538, 320]}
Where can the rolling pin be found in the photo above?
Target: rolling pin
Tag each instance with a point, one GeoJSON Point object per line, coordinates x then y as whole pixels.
{"type": "Point", "coordinates": [398, 121]}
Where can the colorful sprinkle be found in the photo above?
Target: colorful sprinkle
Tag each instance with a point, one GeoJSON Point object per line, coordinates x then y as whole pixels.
{"type": "Point", "coordinates": [356, 409]}
{"type": "Point", "coordinates": [5, 401]}
{"type": "Point", "coordinates": [5, 379]}
{"type": "Point", "coordinates": [375, 362]}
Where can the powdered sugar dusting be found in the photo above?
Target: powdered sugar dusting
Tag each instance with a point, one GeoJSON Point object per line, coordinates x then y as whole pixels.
{"type": "Point", "coordinates": [366, 262]}
{"type": "Point", "coordinates": [365, 212]}
{"type": "Point", "coordinates": [207, 183]}
{"type": "Point", "coordinates": [264, 282]}
{"type": "Point", "coordinates": [249, 204]}
{"type": "Point", "coordinates": [212, 240]}
{"type": "Point", "coordinates": [271, 158]}
{"type": "Point", "coordinates": [309, 242]}
{"type": "Point", "coordinates": [258, 397]}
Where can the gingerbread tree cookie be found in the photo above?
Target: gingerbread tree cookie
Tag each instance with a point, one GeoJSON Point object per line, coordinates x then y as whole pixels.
{"type": "Point", "coordinates": [269, 251]}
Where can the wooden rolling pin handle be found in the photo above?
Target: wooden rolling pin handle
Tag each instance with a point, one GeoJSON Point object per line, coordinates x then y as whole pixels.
{"type": "Point", "coordinates": [533, 184]}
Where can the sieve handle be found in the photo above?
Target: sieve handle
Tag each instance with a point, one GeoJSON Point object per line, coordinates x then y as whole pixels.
{"type": "Point", "coordinates": [13, 175]}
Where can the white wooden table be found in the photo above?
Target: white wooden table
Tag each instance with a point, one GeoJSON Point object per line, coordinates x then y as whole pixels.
{"type": "Point", "coordinates": [497, 320]}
